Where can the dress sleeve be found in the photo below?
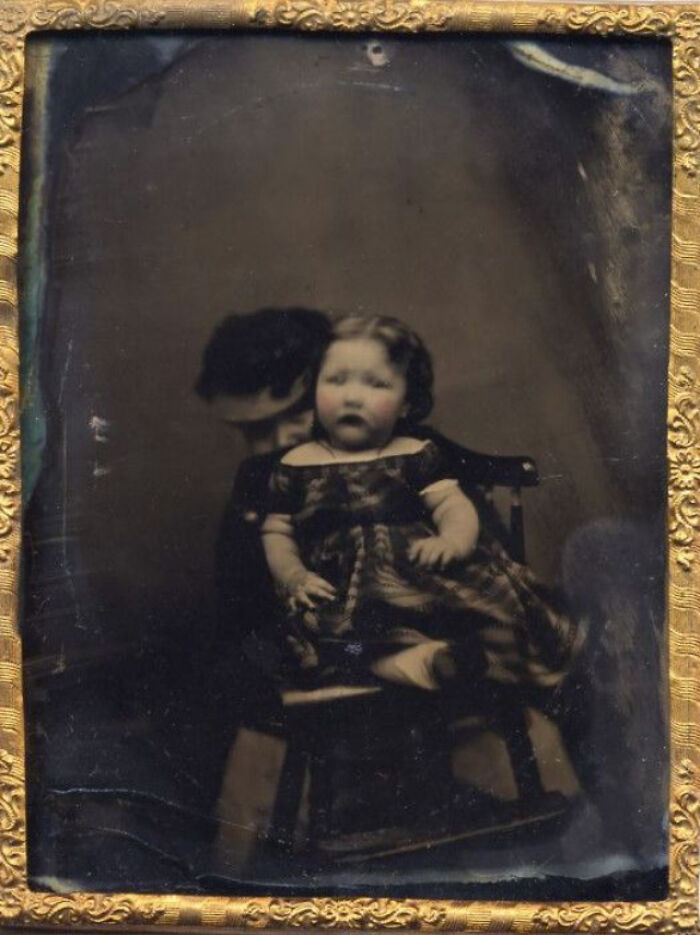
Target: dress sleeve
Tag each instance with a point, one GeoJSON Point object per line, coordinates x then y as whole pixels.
{"type": "Point", "coordinates": [284, 490]}
{"type": "Point", "coordinates": [453, 462]}
{"type": "Point", "coordinates": [429, 468]}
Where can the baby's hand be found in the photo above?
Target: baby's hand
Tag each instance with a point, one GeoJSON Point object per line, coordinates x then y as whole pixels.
{"type": "Point", "coordinates": [306, 592]}
{"type": "Point", "coordinates": [434, 552]}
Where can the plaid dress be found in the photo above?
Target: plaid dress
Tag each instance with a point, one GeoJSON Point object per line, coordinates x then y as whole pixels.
{"type": "Point", "coordinates": [354, 522]}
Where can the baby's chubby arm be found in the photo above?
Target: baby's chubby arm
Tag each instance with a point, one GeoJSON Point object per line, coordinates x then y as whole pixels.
{"type": "Point", "coordinates": [457, 523]}
{"type": "Point", "coordinates": [303, 587]}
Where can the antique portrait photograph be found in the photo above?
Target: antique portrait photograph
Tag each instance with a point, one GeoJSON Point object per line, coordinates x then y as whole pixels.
{"type": "Point", "coordinates": [344, 395]}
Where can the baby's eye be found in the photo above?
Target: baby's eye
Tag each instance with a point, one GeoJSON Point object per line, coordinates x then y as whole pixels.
{"type": "Point", "coordinates": [337, 378]}
{"type": "Point", "coordinates": [380, 384]}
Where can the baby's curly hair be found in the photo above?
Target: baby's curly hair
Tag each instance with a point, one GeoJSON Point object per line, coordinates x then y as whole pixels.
{"type": "Point", "coordinates": [404, 348]}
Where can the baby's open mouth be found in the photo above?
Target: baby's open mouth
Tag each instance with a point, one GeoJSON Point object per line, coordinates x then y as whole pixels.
{"type": "Point", "coordinates": [351, 420]}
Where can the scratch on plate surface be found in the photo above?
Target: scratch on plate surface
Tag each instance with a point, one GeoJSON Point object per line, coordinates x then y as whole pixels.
{"type": "Point", "coordinates": [372, 85]}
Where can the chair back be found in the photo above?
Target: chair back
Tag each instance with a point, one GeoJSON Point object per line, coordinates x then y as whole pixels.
{"type": "Point", "coordinates": [514, 472]}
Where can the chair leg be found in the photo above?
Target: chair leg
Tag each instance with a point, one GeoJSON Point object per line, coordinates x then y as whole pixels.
{"type": "Point", "coordinates": [522, 756]}
{"type": "Point", "coordinates": [320, 797]}
{"type": "Point", "coordinates": [289, 791]}
{"type": "Point", "coordinates": [517, 526]}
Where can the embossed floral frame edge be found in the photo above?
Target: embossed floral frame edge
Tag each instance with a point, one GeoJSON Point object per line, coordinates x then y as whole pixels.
{"type": "Point", "coordinates": [680, 24]}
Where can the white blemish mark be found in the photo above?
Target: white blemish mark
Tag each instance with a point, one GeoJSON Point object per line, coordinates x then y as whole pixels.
{"type": "Point", "coordinates": [167, 47]}
{"type": "Point", "coordinates": [534, 56]}
{"type": "Point", "coordinates": [592, 272]}
{"type": "Point", "coordinates": [59, 884]}
{"type": "Point", "coordinates": [376, 54]}
{"type": "Point", "coordinates": [100, 428]}
{"type": "Point", "coordinates": [581, 171]}
{"type": "Point", "coordinates": [101, 470]}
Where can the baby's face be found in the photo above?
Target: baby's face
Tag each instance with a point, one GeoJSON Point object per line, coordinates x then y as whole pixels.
{"type": "Point", "coordinates": [360, 394]}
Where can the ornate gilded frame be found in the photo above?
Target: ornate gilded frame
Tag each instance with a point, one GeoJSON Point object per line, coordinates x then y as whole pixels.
{"type": "Point", "coordinates": [19, 906]}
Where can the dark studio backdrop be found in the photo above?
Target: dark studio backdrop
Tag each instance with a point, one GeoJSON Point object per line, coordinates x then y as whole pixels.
{"type": "Point", "coordinates": [520, 222]}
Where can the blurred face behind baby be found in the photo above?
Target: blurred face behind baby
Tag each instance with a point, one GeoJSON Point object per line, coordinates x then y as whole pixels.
{"type": "Point", "coordinates": [360, 394]}
{"type": "Point", "coordinates": [290, 427]}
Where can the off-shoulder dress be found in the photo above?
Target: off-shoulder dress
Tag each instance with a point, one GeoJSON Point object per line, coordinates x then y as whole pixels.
{"type": "Point", "coordinates": [353, 523]}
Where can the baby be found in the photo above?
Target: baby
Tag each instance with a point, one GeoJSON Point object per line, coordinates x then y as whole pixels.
{"type": "Point", "coordinates": [374, 548]}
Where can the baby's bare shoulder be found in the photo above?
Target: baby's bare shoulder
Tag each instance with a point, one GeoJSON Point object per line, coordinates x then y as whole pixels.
{"type": "Point", "coordinates": [305, 455]}
{"type": "Point", "coordinates": [403, 445]}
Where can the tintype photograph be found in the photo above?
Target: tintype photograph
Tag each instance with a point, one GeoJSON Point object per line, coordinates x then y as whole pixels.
{"type": "Point", "coordinates": [344, 397]}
